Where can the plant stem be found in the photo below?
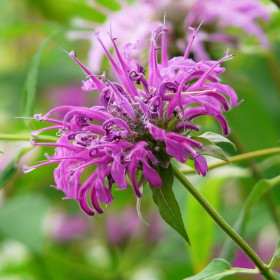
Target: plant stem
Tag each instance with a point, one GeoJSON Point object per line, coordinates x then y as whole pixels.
{"type": "Point", "coordinates": [239, 158]}
{"type": "Point", "coordinates": [18, 137]}
{"type": "Point", "coordinates": [263, 268]}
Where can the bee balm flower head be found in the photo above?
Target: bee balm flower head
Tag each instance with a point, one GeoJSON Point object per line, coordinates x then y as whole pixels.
{"type": "Point", "coordinates": [144, 121]}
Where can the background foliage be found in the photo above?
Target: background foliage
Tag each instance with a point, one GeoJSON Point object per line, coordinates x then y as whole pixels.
{"type": "Point", "coordinates": [100, 248]}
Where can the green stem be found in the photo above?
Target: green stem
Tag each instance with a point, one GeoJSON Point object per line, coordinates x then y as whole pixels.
{"type": "Point", "coordinates": [263, 268]}
{"type": "Point", "coordinates": [239, 158]}
{"type": "Point", "coordinates": [17, 137]}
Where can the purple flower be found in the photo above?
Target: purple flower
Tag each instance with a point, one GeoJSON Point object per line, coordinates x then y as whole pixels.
{"type": "Point", "coordinates": [143, 122]}
{"type": "Point", "coordinates": [65, 227]}
{"type": "Point", "coordinates": [243, 261]}
{"type": "Point", "coordinates": [124, 225]}
{"type": "Point", "coordinates": [217, 15]}
{"type": "Point", "coordinates": [222, 14]}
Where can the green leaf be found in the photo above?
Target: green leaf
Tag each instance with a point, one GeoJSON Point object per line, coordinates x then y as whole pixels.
{"type": "Point", "coordinates": [217, 138]}
{"type": "Point", "coordinates": [210, 149]}
{"type": "Point", "coordinates": [167, 204]}
{"type": "Point", "coordinates": [22, 218]}
{"type": "Point", "coordinates": [202, 249]}
{"type": "Point", "coordinates": [219, 269]}
{"type": "Point", "coordinates": [276, 254]}
{"type": "Point", "coordinates": [10, 170]}
{"type": "Point", "coordinates": [262, 187]}
{"type": "Point", "coordinates": [276, 274]}
{"type": "Point", "coordinates": [1, 152]}
{"type": "Point", "coordinates": [29, 91]}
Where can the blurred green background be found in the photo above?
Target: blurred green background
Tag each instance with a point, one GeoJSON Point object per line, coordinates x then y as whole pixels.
{"type": "Point", "coordinates": [44, 237]}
